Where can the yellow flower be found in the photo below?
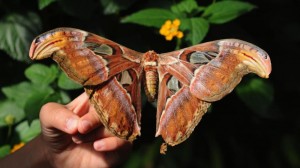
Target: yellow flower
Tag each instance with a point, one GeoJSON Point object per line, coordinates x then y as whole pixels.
{"type": "Point", "coordinates": [17, 146]}
{"type": "Point", "coordinates": [170, 29]}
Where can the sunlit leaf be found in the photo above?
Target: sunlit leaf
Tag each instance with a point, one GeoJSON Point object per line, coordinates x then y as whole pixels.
{"type": "Point", "coordinates": [17, 32]}
{"type": "Point", "coordinates": [12, 110]}
{"type": "Point", "coordinates": [44, 3]}
{"type": "Point", "coordinates": [22, 91]}
{"type": "Point", "coordinates": [150, 17]}
{"type": "Point", "coordinates": [64, 97]}
{"type": "Point", "coordinates": [66, 83]}
{"type": "Point", "coordinates": [18, 92]}
{"type": "Point", "coordinates": [27, 132]}
{"type": "Point", "coordinates": [4, 150]}
{"type": "Point", "coordinates": [195, 29]}
{"type": "Point", "coordinates": [36, 100]}
{"type": "Point", "coordinates": [184, 7]}
{"type": "Point", "coordinates": [41, 74]}
{"type": "Point", "coordinates": [224, 11]}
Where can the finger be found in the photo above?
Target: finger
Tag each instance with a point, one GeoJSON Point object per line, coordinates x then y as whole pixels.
{"type": "Point", "coordinates": [96, 134]}
{"type": "Point", "coordinates": [116, 157]}
{"type": "Point", "coordinates": [80, 105]}
{"type": "Point", "coordinates": [54, 115]}
{"type": "Point", "coordinates": [110, 144]}
{"type": "Point", "coordinates": [89, 122]}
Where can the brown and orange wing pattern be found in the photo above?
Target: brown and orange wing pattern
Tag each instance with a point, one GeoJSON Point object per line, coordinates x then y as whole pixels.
{"type": "Point", "coordinates": [187, 80]}
{"type": "Point", "coordinates": [192, 78]}
{"type": "Point", "coordinates": [109, 72]}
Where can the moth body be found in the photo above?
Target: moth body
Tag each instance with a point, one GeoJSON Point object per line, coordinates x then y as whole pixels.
{"type": "Point", "coordinates": [149, 63]}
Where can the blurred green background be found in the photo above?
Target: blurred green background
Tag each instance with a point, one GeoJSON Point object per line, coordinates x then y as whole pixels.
{"type": "Point", "coordinates": [257, 125]}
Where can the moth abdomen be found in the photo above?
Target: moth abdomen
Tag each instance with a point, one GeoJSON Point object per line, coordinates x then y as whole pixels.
{"type": "Point", "coordinates": [151, 79]}
{"type": "Point", "coordinates": [150, 62]}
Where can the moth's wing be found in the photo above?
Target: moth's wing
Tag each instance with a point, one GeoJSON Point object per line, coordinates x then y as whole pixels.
{"type": "Point", "coordinates": [180, 115]}
{"type": "Point", "coordinates": [85, 57]}
{"type": "Point", "coordinates": [109, 72]}
{"type": "Point", "coordinates": [192, 78]}
{"type": "Point", "coordinates": [178, 111]}
{"type": "Point", "coordinates": [118, 104]}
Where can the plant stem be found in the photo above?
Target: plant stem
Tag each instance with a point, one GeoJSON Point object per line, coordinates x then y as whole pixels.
{"type": "Point", "coordinates": [178, 44]}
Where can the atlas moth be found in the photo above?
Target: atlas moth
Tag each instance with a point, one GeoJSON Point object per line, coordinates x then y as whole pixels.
{"type": "Point", "coordinates": [184, 82]}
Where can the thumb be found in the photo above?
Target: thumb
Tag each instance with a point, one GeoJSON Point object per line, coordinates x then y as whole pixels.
{"type": "Point", "coordinates": [55, 116]}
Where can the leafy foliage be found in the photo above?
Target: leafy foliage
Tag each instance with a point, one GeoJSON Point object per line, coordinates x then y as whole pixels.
{"type": "Point", "coordinates": [44, 3]}
{"type": "Point", "coordinates": [196, 29]}
{"type": "Point", "coordinates": [24, 100]}
{"type": "Point", "coordinates": [225, 11]}
{"type": "Point", "coordinates": [41, 74]}
{"type": "Point", "coordinates": [195, 18]}
{"type": "Point", "coordinates": [27, 132]}
{"type": "Point", "coordinates": [16, 34]}
{"type": "Point", "coordinates": [153, 17]}
{"type": "Point", "coordinates": [10, 113]}
{"type": "Point", "coordinates": [4, 150]}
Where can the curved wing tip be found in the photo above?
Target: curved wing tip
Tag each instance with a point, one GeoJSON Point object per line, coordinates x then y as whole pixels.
{"type": "Point", "coordinates": [32, 49]}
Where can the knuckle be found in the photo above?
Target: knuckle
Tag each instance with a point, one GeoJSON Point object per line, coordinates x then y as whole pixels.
{"type": "Point", "coordinates": [45, 109]}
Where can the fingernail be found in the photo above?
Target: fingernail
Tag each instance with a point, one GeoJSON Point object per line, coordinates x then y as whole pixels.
{"type": "Point", "coordinates": [71, 124]}
{"type": "Point", "coordinates": [99, 145]}
{"type": "Point", "coordinates": [76, 139]}
{"type": "Point", "coordinates": [86, 125]}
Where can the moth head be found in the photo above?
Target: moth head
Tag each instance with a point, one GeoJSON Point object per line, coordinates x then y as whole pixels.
{"type": "Point", "coordinates": [52, 41]}
{"type": "Point", "coordinates": [255, 58]}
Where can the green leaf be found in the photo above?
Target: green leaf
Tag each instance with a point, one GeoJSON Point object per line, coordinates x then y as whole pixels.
{"type": "Point", "coordinates": [64, 97]}
{"type": "Point", "coordinates": [184, 7]}
{"type": "Point", "coordinates": [36, 100]}
{"type": "Point", "coordinates": [41, 74]}
{"type": "Point", "coordinates": [115, 6]}
{"type": "Point", "coordinates": [27, 132]}
{"type": "Point", "coordinates": [257, 94]}
{"type": "Point", "coordinates": [9, 109]}
{"type": "Point", "coordinates": [4, 150]}
{"type": "Point", "coordinates": [22, 91]}
{"type": "Point", "coordinates": [57, 97]}
{"type": "Point", "coordinates": [195, 28]}
{"type": "Point", "coordinates": [44, 3]}
{"type": "Point", "coordinates": [225, 11]}
{"type": "Point", "coordinates": [200, 9]}
{"type": "Point", "coordinates": [64, 82]}
{"type": "Point", "coordinates": [17, 32]}
{"type": "Point", "coordinates": [18, 92]}
{"type": "Point", "coordinates": [150, 17]}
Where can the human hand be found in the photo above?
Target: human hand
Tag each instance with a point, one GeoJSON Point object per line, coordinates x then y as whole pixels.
{"type": "Point", "coordinates": [73, 136]}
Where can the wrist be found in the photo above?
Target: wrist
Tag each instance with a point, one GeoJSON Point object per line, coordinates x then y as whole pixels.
{"type": "Point", "coordinates": [32, 155]}
{"type": "Point", "coordinates": [43, 160]}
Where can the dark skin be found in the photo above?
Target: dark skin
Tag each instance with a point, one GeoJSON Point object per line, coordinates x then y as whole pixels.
{"type": "Point", "coordinates": [72, 136]}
